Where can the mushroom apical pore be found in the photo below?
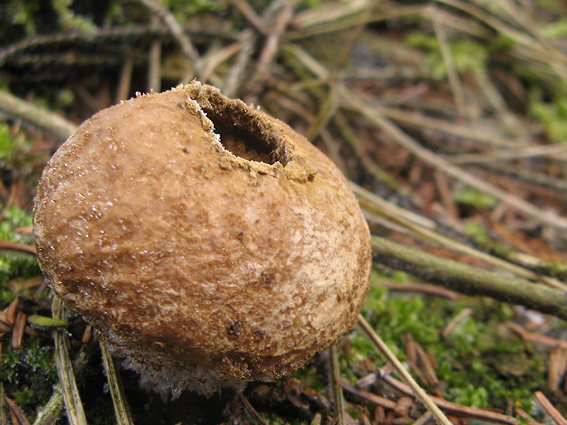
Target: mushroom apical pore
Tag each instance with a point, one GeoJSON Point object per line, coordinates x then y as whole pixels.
{"type": "Point", "coordinates": [206, 241]}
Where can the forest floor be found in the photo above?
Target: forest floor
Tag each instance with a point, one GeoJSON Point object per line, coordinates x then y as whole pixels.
{"type": "Point", "coordinates": [449, 117]}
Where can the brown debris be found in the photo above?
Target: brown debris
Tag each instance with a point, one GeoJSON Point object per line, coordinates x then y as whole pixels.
{"type": "Point", "coordinates": [19, 329]}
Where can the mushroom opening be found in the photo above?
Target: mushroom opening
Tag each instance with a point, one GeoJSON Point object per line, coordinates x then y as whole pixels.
{"type": "Point", "coordinates": [243, 134]}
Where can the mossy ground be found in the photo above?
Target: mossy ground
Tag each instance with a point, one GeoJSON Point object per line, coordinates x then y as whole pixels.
{"type": "Point", "coordinates": [479, 364]}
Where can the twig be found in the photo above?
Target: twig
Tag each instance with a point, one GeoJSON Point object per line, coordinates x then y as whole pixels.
{"type": "Point", "coordinates": [234, 78]}
{"type": "Point", "coordinates": [548, 217]}
{"type": "Point", "coordinates": [415, 119]}
{"type": "Point", "coordinates": [457, 409]}
{"type": "Point", "coordinates": [469, 280]}
{"type": "Point", "coordinates": [269, 51]}
{"type": "Point", "coordinates": [526, 152]}
{"type": "Point", "coordinates": [552, 411]}
{"type": "Point", "coordinates": [326, 112]}
{"type": "Point", "coordinates": [537, 338]}
{"type": "Point", "coordinates": [454, 81]}
{"type": "Point", "coordinates": [336, 387]}
{"type": "Point", "coordinates": [154, 62]}
{"type": "Point", "coordinates": [410, 221]}
{"type": "Point", "coordinates": [40, 117]}
{"type": "Point", "coordinates": [399, 368]}
{"type": "Point", "coordinates": [18, 330]}
{"type": "Point", "coordinates": [177, 32]}
{"type": "Point", "coordinates": [512, 123]}
{"type": "Point", "coordinates": [456, 321]}
{"type": "Point", "coordinates": [49, 413]}
{"type": "Point", "coordinates": [14, 246]}
{"type": "Point", "coordinates": [73, 404]}
{"type": "Point", "coordinates": [250, 14]}
{"type": "Point", "coordinates": [121, 408]}
{"type": "Point", "coordinates": [423, 419]}
{"type": "Point", "coordinates": [213, 59]}
{"type": "Point", "coordinates": [372, 398]}
{"type": "Point", "coordinates": [389, 209]}
{"type": "Point", "coordinates": [422, 288]}
{"type": "Point", "coordinates": [125, 79]}
{"type": "Point", "coordinates": [250, 409]}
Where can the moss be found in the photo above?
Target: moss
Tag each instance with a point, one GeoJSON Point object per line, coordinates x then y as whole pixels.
{"type": "Point", "coordinates": [29, 374]}
{"type": "Point", "coordinates": [468, 56]}
{"type": "Point", "coordinates": [14, 264]}
{"type": "Point", "coordinates": [552, 114]}
{"type": "Point", "coordinates": [476, 366]}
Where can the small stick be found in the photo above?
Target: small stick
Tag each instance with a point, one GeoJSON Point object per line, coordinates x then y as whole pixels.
{"type": "Point", "coordinates": [154, 65]}
{"type": "Point", "coordinates": [423, 419]}
{"type": "Point", "coordinates": [336, 386]}
{"type": "Point", "coordinates": [552, 411]}
{"type": "Point", "coordinates": [351, 100]}
{"type": "Point", "coordinates": [454, 81]}
{"type": "Point", "coordinates": [397, 365]}
{"type": "Point", "coordinates": [10, 312]}
{"type": "Point", "coordinates": [457, 320]}
{"type": "Point", "coordinates": [125, 79]}
{"type": "Point", "coordinates": [14, 246]}
{"type": "Point", "coordinates": [268, 53]}
{"type": "Point", "coordinates": [176, 31]}
{"type": "Point", "coordinates": [233, 80]}
{"type": "Point", "coordinates": [470, 280]}
{"type": "Point", "coordinates": [457, 409]}
{"type": "Point", "coordinates": [40, 117]}
{"type": "Point", "coordinates": [123, 416]}
{"type": "Point", "coordinates": [372, 398]}
{"type": "Point", "coordinates": [73, 404]}
{"type": "Point", "coordinates": [537, 338]}
{"type": "Point", "coordinates": [250, 14]}
{"type": "Point", "coordinates": [422, 288]}
{"type": "Point", "coordinates": [250, 409]}
{"type": "Point", "coordinates": [19, 329]}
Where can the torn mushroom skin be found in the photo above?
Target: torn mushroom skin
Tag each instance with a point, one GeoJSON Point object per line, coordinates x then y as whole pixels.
{"type": "Point", "coordinates": [206, 241]}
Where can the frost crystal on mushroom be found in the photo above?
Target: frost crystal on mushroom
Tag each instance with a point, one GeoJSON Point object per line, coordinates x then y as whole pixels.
{"type": "Point", "coordinates": [207, 241]}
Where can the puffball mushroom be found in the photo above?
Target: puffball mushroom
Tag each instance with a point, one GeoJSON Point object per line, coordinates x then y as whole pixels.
{"type": "Point", "coordinates": [207, 242]}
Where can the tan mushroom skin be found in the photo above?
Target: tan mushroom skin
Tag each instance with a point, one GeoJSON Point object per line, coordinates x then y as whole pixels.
{"type": "Point", "coordinates": [206, 241]}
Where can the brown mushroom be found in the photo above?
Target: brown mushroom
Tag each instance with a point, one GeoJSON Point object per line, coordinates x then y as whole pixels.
{"type": "Point", "coordinates": [206, 241]}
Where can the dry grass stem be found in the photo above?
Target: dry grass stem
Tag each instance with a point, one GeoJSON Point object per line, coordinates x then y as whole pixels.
{"type": "Point", "coordinates": [336, 386]}
{"type": "Point", "coordinates": [399, 368]}
{"type": "Point", "coordinates": [454, 80]}
{"type": "Point", "coordinates": [177, 32]}
{"type": "Point", "coordinates": [121, 409]}
{"type": "Point", "coordinates": [374, 116]}
{"type": "Point", "coordinates": [125, 82]}
{"type": "Point", "coordinates": [553, 151]}
{"type": "Point", "coordinates": [154, 61]}
{"type": "Point", "coordinates": [73, 404]}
